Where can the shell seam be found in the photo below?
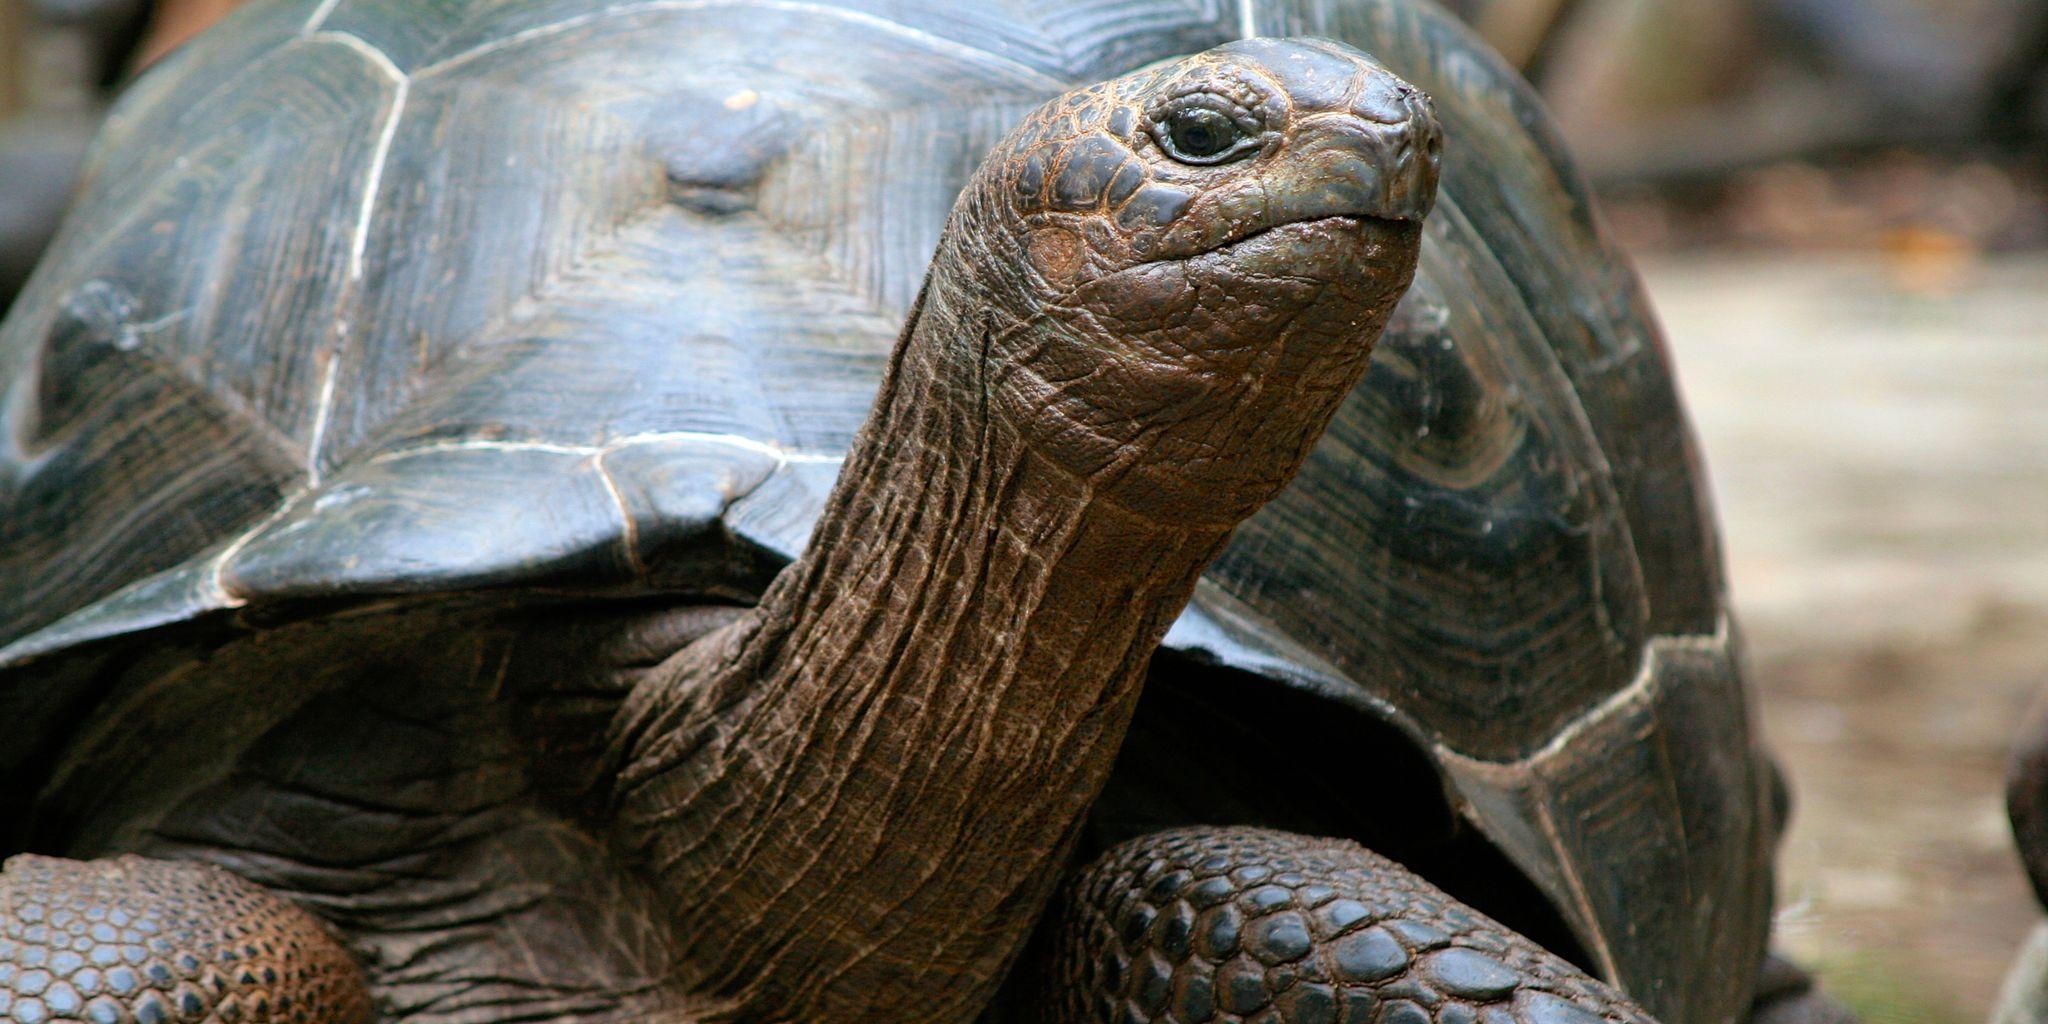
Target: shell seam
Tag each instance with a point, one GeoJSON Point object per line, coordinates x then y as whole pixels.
{"type": "Point", "coordinates": [377, 57]}
{"type": "Point", "coordinates": [782, 456]}
{"type": "Point", "coordinates": [216, 573]}
{"type": "Point", "coordinates": [318, 17]}
{"type": "Point", "coordinates": [860, 17]}
{"type": "Point", "coordinates": [1639, 687]}
{"type": "Point", "coordinates": [1569, 868]}
{"type": "Point", "coordinates": [323, 414]}
{"type": "Point", "coordinates": [359, 236]}
{"type": "Point", "coordinates": [629, 531]}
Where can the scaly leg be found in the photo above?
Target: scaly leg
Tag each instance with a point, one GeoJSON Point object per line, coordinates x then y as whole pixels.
{"type": "Point", "coordinates": [138, 941]}
{"type": "Point", "coordinates": [1239, 924]}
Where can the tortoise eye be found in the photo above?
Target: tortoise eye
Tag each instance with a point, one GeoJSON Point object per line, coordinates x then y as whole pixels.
{"type": "Point", "coordinates": [1199, 133]}
{"type": "Point", "coordinates": [1202, 133]}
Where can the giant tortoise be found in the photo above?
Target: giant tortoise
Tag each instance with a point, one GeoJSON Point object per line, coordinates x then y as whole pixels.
{"type": "Point", "coordinates": [411, 438]}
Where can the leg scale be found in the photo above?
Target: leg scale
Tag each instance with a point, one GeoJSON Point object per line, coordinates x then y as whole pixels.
{"type": "Point", "coordinates": [1263, 927]}
{"type": "Point", "coordinates": [136, 941]}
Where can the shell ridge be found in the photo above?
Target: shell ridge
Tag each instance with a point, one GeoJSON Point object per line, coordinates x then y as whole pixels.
{"type": "Point", "coordinates": [106, 311]}
{"type": "Point", "coordinates": [1035, 76]}
{"type": "Point", "coordinates": [359, 236]}
{"type": "Point", "coordinates": [1643, 687]}
{"type": "Point", "coordinates": [323, 415]}
{"type": "Point", "coordinates": [319, 17]}
{"type": "Point", "coordinates": [107, 234]}
{"type": "Point", "coordinates": [369, 51]}
{"type": "Point", "coordinates": [1595, 938]}
{"type": "Point", "coordinates": [629, 528]}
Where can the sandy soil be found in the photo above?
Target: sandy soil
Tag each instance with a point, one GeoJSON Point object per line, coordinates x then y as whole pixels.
{"type": "Point", "coordinates": [1878, 437]}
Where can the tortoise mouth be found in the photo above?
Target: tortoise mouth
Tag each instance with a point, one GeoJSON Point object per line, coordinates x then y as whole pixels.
{"type": "Point", "coordinates": [1308, 229]}
{"type": "Point", "coordinates": [1302, 226]}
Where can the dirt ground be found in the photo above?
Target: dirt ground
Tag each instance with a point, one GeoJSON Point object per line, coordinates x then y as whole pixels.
{"type": "Point", "coordinates": [1877, 432]}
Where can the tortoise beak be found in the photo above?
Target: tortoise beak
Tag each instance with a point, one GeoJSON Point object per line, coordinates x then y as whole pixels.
{"type": "Point", "coordinates": [1365, 165]}
{"type": "Point", "coordinates": [1357, 168]}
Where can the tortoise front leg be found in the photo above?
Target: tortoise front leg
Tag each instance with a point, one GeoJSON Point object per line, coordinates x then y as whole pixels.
{"type": "Point", "coordinates": [1264, 927]}
{"type": "Point", "coordinates": [139, 941]}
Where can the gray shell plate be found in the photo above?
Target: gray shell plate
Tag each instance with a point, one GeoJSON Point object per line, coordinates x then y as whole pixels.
{"type": "Point", "coordinates": [380, 297]}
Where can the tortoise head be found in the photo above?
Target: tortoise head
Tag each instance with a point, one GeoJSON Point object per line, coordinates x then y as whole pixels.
{"type": "Point", "coordinates": [1184, 270]}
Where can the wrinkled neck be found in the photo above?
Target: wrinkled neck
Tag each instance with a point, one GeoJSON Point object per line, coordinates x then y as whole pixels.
{"type": "Point", "coordinates": [858, 800]}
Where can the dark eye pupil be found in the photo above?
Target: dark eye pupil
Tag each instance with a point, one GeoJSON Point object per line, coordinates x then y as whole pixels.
{"type": "Point", "coordinates": [1200, 133]}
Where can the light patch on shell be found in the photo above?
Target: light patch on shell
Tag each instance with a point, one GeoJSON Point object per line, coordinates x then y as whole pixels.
{"type": "Point", "coordinates": [742, 99]}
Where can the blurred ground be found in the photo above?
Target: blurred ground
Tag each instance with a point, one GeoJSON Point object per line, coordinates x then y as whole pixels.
{"type": "Point", "coordinates": [1876, 429]}
{"type": "Point", "coordinates": [1844, 210]}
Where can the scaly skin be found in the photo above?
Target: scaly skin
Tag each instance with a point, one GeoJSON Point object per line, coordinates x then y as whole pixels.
{"type": "Point", "coordinates": [138, 941]}
{"type": "Point", "coordinates": [1239, 924]}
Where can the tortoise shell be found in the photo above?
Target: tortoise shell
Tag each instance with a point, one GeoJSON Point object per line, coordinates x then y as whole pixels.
{"type": "Point", "coordinates": [367, 298]}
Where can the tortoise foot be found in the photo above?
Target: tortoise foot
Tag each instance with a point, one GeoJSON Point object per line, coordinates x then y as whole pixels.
{"type": "Point", "coordinates": [1269, 927]}
{"type": "Point", "coordinates": [139, 941]}
{"type": "Point", "coordinates": [1786, 994]}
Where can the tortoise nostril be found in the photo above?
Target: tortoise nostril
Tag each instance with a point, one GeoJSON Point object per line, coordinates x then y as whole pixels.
{"type": "Point", "coordinates": [1418, 129]}
{"type": "Point", "coordinates": [1384, 99]}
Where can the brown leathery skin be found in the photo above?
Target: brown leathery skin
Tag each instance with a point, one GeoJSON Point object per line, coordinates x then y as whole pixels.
{"type": "Point", "coordinates": [1135, 304]}
{"type": "Point", "coordinates": [132, 940]}
{"type": "Point", "coordinates": [875, 777]}
{"type": "Point", "coordinates": [1240, 924]}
